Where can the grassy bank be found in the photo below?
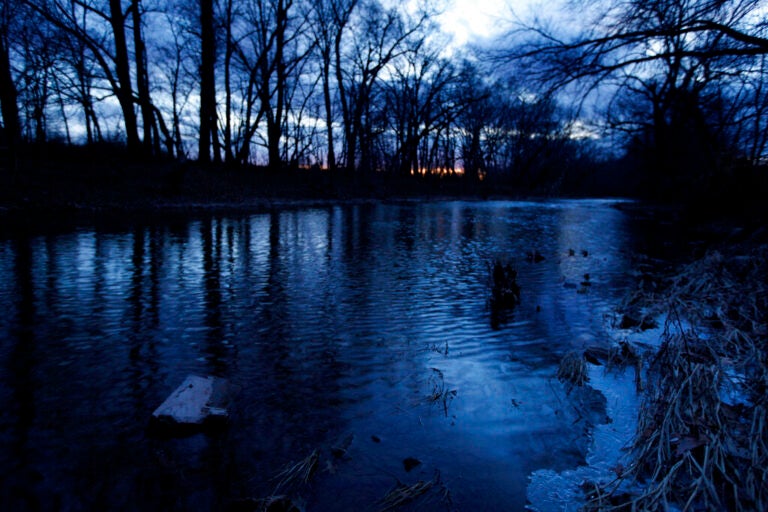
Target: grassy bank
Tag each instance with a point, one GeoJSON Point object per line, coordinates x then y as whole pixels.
{"type": "Point", "coordinates": [702, 436]}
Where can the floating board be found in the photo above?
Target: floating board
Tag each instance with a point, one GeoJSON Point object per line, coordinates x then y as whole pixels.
{"type": "Point", "coordinates": [197, 402]}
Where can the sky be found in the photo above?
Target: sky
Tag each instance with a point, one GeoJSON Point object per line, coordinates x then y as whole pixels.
{"type": "Point", "coordinates": [472, 19]}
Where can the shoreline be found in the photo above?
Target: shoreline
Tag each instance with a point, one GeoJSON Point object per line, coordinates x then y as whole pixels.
{"type": "Point", "coordinates": [704, 386]}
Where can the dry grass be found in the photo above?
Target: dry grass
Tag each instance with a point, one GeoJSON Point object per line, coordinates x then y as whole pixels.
{"type": "Point", "coordinates": [440, 394]}
{"type": "Point", "coordinates": [573, 369]}
{"type": "Point", "coordinates": [299, 473]}
{"type": "Point", "coordinates": [702, 442]}
{"type": "Point", "coordinates": [625, 355]}
{"type": "Point", "coordinates": [403, 494]}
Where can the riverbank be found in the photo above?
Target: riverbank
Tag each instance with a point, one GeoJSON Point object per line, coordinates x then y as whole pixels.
{"type": "Point", "coordinates": [90, 182]}
{"type": "Point", "coordinates": [67, 193]}
{"type": "Point", "coordinates": [701, 441]}
{"type": "Point", "coordinates": [110, 183]}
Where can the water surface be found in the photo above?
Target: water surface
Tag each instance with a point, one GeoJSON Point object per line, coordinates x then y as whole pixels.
{"type": "Point", "coordinates": [367, 322]}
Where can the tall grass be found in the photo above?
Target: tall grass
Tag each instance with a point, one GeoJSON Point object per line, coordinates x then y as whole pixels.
{"type": "Point", "coordinates": [701, 442]}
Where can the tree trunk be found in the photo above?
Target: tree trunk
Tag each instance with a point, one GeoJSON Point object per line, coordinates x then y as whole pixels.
{"type": "Point", "coordinates": [275, 121]}
{"type": "Point", "coordinates": [123, 71]}
{"type": "Point", "coordinates": [328, 108]}
{"type": "Point", "coordinates": [343, 100]}
{"type": "Point", "coordinates": [230, 49]}
{"type": "Point", "coordinates": [208, 119]}
{"type": "Point", "coordinates": [142, 80]}
{"type": "Point", "coordinates": [10, 109]}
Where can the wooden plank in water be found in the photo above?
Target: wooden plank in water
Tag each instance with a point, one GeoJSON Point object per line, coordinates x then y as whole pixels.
{"type": "Point", "coordinates": [197, 401]}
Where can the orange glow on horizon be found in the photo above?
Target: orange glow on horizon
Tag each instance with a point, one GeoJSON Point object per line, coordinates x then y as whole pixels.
{"type": "Point", "coordinates": [438, 171]}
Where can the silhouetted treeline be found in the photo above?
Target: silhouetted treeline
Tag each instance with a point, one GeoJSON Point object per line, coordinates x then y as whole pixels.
{"type": "Point", "coordinates": [352, 85]}
{"type": "Point", "coordinates": [366, 86]}
{"type": "Point", "coordinates": [679, 83]}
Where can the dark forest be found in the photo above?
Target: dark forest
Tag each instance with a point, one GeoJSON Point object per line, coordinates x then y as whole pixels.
{"type": "Point", "coordinates": [663, 99]}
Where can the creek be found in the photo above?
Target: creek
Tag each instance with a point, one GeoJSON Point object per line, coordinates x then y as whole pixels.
{"type": "Point", "coordinates": [365, 326]}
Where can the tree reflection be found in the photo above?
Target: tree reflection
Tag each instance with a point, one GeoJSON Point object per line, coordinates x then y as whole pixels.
{"type": "Point", "coordinates": [21, 368]}
{"type": "Point", "coordinates": [210, 234]}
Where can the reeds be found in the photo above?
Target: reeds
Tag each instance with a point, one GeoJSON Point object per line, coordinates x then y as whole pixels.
{"type": "Point", "coordinates": [299, 473]}
{"type": "Point", "coordinates": [290, 480]}
{"type": "Point", "coordinates": [573, 369]}
{"type": "Point", "coordinates": [440, 394]}
{"type": "Point", "coordinates": [402, 494]}
{"type": "Point", "coordinates": [702, 442]}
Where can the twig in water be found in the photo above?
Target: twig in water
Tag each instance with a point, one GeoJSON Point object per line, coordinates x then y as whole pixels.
{"type": "Point", "coordinates": [403, 494]}
{"type": "Point", "coordinates": [299, 473]}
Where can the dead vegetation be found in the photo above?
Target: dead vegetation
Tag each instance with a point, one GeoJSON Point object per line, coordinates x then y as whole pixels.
{"type": "Point", "coordinates": [299, 473]}
{"type": "Point", "coordinates": [285, 496]}
{"type": "Point", "coordinates": [505, 292]}
{"type": "Point", "coordinates": [402, 494]}
{"type": "Point", "coordinates": [440, 394]}
{"type": "Point", "coordinates": [430, 493]}
{"type": "Point", "coordinates": [573, 369]}
{"type": "Point", "coordinates": [702, 442]}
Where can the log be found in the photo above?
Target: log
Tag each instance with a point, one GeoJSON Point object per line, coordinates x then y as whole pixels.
{"type": "Point", "coordinates": [197, 403]}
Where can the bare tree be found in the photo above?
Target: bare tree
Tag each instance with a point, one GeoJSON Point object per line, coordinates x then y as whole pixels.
{"type": "Point", "coordinates": [106, 41]}
{"type": "Point", "coordinates": [151, 139]}
{"type": "Point", "coordinates": [80, 82]}
{"type": "Point", "coordinates": [378, 38]}
{"type": "Point", "coordinates": [270, 50]}
{"type": "Point", "coordinates": [123, 86]}
{"type": "Point", "coordinates": [422, 103]}
{"type": "Point", "coordinates": [329, 22]}
{"type": "Point", "coordinates": [37, 59]}
{"type": "Point", "coordinates": [173, 67]}
{"type": "Point", "coordinates": [8, 91]}
{"type": "Point", "coordinates": [626, 35]}
{"type": "Point", "coordinates": [666, 63]}
{"type": "Point", "coordinates": [274, 75]}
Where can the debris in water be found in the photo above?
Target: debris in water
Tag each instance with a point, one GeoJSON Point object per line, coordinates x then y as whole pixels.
{"type": "Point", "coordinates": [643, 323]}
{"type": "Point", "coordinates": [439, 392]}
{"type": "Point", "coordinates": [299, 473]}
{"type": "Point", "coordinates": [409, 463]}
{"type": "Point", "coordinates": [197, 403]}
{"type": "Point", "coordinates": [340, 450]}
{"type": "Point", "coordinates": [403, 494]}
{"type": "Point", "coordinates": [573, 369]}
{"type": "Point", "coordinates": [598, 354]}
{"type": "Point", "coordinates": [505, 292]}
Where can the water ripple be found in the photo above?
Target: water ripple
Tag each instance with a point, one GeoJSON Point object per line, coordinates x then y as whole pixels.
{"type": "Point", "coordinates": [369, 319]}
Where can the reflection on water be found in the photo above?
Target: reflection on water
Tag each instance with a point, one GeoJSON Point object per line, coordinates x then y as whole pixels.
{"type": "Point", "coordinates": [362, 320]}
